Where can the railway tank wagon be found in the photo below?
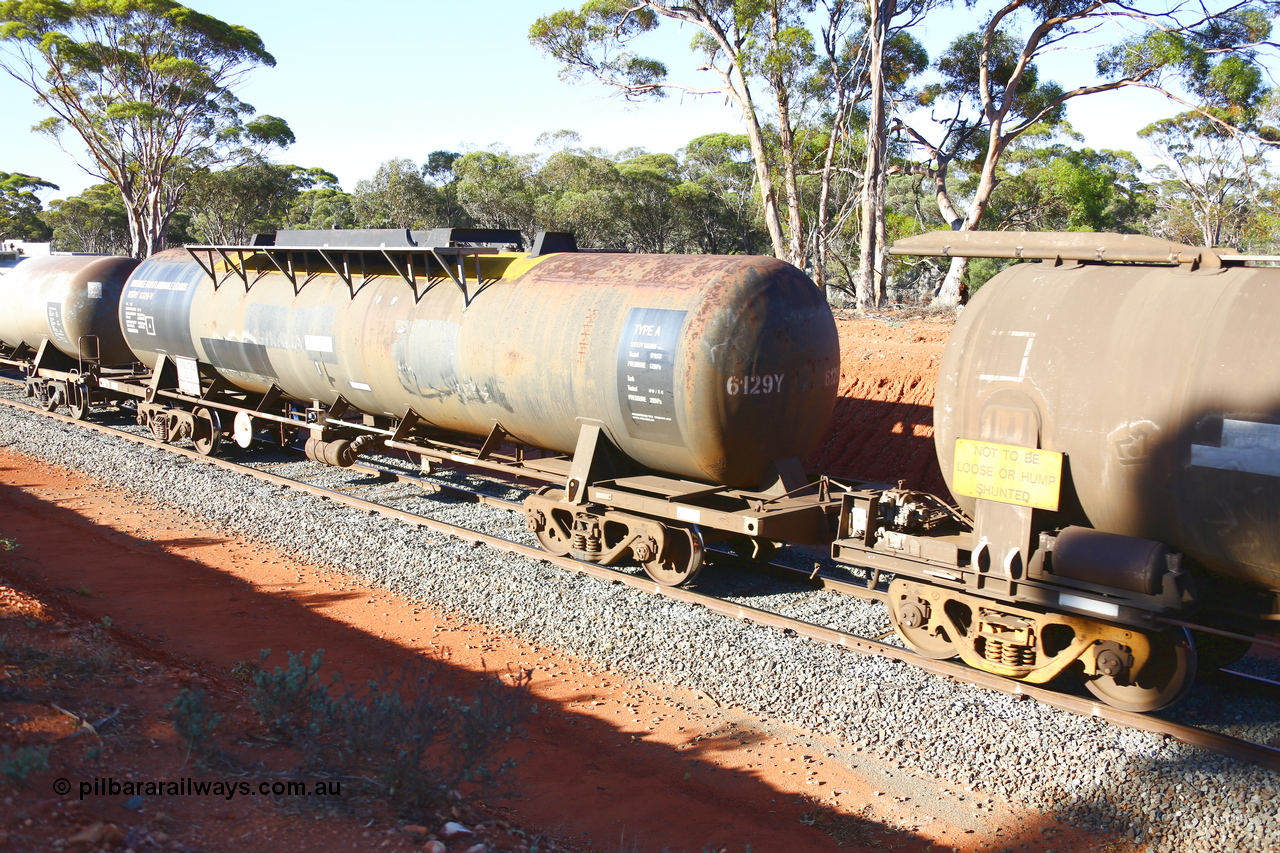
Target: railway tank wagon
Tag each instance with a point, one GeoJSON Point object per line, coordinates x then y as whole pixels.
{"type": "Point", "coordinates": [1108, 419]}
{"type": "Point", "coordinates": [661, 377]}
{"type": "Point", "coordinates": [60, 325]}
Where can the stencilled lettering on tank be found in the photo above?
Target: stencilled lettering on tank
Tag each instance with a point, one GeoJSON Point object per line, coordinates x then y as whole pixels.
{"type": "Point", "coordinates": [138, 323]}
{"type": "Point", "coordinates": [53, 312]}
{"type": "Point", "coordinates": [147, 284]}
{"type": "Point", "coordinates": [755, 383]}
{"type": "Point", "coordinates": [646, 373]}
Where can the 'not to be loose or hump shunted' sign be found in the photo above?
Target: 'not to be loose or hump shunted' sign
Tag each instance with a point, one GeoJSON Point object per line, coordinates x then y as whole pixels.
{"type": "Point", "coordinates": [1025, 476]}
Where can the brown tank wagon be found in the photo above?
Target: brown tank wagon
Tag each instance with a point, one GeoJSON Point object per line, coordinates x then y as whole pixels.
{"type": "Point", "coordinates": [1108, 420]}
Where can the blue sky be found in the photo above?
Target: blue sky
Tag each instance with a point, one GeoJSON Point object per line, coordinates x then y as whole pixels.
{"type": "Point", "coordinates": [362, 82]}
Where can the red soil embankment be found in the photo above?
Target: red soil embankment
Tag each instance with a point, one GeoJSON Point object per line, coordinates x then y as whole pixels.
{"type": "Point", "coordinates": [882, 427]}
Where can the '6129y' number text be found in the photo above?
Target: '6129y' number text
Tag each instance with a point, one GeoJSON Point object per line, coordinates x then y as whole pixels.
{"type": "Point", "coordinates": [767, 383]}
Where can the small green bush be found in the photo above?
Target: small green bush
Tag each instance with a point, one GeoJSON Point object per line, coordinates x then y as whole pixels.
{"type": "Point", "coordinates": [405, 735]}
{"type": "Point", "coordinates": [17, 767]}
{"type": "Point", "coordinates": [193, 719]}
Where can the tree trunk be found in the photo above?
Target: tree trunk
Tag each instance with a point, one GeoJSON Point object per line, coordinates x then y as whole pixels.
{"type": "Point", "coordinates": [768, 199]}
{"type": "Point", "coordinates": [866, 293]}
{"type": "Point", "coordinates": [950, 294]}
{"type": "Point", "coordinates": [879, 279]}
{"type": "Point", "coordinates": [795, 221]}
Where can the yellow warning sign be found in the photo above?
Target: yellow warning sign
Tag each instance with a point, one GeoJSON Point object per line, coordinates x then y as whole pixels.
{"type": "Point", "coordinates": [1003, 472]}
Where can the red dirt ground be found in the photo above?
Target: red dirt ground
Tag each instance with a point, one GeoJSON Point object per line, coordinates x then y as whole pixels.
{"type": "Point", "coordinates": [882, 428]}
{"type": "Point", "coordinates": [610, 763]}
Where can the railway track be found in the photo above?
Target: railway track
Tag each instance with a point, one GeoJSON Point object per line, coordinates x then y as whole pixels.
{"type": "Point", "coordinates": [1236, 748]}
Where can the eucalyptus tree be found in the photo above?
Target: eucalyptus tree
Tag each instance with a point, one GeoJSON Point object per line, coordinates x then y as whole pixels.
{"type": "Point", "coordinates": [1052, 187]}
{"type": "Point", "coordinates": [752, 48]}
{"type": "Point", "coordinates": [148, 87]}
{"type": "Point", "coordinates": [229, 206]}
{"type": "Point", "coordinates": [1207, 57]}
{"type": "Point", "coordinates": [94, 221]}
{"type": "Point", "coordinates": [20, 207]}
{"type": "Point", "coordinates": [1213, 187]}
{"type": "Point", "coordinates": [797, 71]}
{"type": "Point", "coordinates": [498, 190]}
{"type": "Point", "coordinates": [577, 190]}
{"type": "Point", "coordinates": [397, 196]}
{"type": "Point", "coordinates": [717, 198]}
{"type": "Point", "coordinates": [650, 211]}
{"type": "Point", "coordinates": [325, 208]}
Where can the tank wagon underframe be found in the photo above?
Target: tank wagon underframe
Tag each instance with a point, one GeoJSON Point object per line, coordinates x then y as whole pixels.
{"type": "Point", "coordinates": [590, 506]}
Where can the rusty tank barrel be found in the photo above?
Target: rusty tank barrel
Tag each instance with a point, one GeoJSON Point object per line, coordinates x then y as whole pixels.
{"type": "Point", "coordinates": [64, 299]}
{"type": "Point", "coordinates": [1158, 382]}
{"type": "Point", "coordinates": [707, 367]}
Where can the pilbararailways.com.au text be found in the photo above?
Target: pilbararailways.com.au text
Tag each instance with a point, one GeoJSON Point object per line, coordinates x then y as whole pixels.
{"type": "Point", "coordinates": [188, 787]}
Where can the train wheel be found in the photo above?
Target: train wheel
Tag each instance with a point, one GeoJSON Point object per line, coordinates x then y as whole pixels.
{"type": "Point", "coordinates": [242, 430]}
{"type": "Point", "coordinates": [1166, 676]}
{"type": "Point", "coordinates": [207, 431]}
{"type": "Point", "coordinates": [553, 536]}
{"type": "Point", "coordinates": [910, 616]}
{"type": "Point", "coordinates": [680, 560]}
{"type": "Point", "coordinates": [78, 401]}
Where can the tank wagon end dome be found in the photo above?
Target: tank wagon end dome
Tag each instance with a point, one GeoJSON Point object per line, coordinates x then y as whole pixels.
{"type": "Point", "coordinates": [69, 300]}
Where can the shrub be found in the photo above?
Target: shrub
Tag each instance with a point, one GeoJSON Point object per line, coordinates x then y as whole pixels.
{"type": "Point", "coordinates": [17, 767]}
{"type": "Point", "coordinates": [193, 719]}
{"type": "Point", "coordinates": [404, 735]}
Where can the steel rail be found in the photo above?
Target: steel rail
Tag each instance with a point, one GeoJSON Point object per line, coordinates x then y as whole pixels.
{"type": "Point", "coordinates": [1227, 745]}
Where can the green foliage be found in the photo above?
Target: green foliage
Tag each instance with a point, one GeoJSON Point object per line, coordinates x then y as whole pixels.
{"type": "Point", "coordinates": [1213, 187]}
{"type": "Point", "coordinates": [594, 40]}
{"type": "Point", "coordinates": [20, 765]}
{"type": "Point", "coordinates": [1216, 57]}
{"type": "Point", "coordinates": [193, 719]}
{"type": "Point", "coordinates": [20, 207]}
{"type": "Point", "coordinates": [324, 208]}
{"type": "Point", "coordinates": [291, 700]}
{"type": "Point", "coordinates": [147, 86]}
{"type": "Point", "coordinates": [230, 206]}
{"type": "Point", "coordinates": [497, 190]}
{"type": "Point", "coordinates": [94, 221]}
{"type": "Point", "coordinates": [399, 196]}
{"type": "Point", "coordinates": [439, 167]}
{"type": "Point", "coordinates": [1057, 188]}
{"type": "Point", "coordinates": [407, 736]}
